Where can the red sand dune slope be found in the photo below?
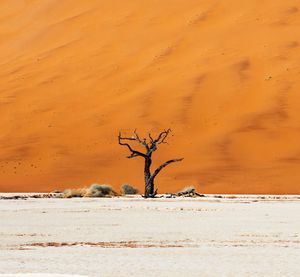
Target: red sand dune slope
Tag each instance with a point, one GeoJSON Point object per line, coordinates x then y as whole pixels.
{"type": "Point", "coordinates": [224, 75]}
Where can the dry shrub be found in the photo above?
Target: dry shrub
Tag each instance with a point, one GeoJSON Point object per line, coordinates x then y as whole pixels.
{"type": "Point", "coordinates": [96, 190]}
{"type": "Point", "coordinates": [128, 189]}
{"type": "Point", "coordinates": [70, 193]}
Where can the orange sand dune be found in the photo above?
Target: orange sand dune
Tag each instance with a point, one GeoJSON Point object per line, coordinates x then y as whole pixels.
{"type": "Point", "coordinates": [224, 75]}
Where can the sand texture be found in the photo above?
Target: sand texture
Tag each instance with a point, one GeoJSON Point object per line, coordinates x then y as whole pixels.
{"type": "Point", "coordinates": [224, 75]}
{"type": "Point", "coordinates": [162, 237]}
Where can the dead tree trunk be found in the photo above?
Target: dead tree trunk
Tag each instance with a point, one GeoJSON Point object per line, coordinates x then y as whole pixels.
{"type": "Point", "coordinates": [149, 186]}
{"type": "Point", "coordinates": [150, 146]}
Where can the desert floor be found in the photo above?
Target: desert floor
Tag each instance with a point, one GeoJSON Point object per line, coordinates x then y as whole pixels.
{"type": "Point", "coordinates": [244, 236]}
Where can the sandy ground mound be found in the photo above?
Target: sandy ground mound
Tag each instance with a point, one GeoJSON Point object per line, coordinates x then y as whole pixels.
{"type": "Point", "coordinates": [224, 75]}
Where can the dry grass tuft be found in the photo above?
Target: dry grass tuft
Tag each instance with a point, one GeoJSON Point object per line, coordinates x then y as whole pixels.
{"type": "Point", "coordinates": [128, 189]}
{"type": "Point", "coordinates": [70, 193]}
{"type": "Point", "coordinates": [94, 190]}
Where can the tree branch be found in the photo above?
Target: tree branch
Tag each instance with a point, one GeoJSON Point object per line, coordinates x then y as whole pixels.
{"type": "Point", "coordinates": [160, 139]}
{"type": "Point", "coordinates": [162, 136]}
{"type": "Point", "coordinates": [155, 173]}
{"type": "Point", "coordinates": [150, 137]}
{"type": "Point", "coordinates": [134, 153]}
{"type": "Point", "coordinates": [142, 142]}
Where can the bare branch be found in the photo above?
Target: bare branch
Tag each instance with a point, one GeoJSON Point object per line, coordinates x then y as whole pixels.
{"type": "Point", "coordinates": [152, 145]}
{"type": "Point", "coordinates": [150, 137]}
{"type": "Point", "coordinates": [155, 173]}
{"type": "Point", "coordinates": [134, 153]}
{"type": "Point", "coordinates": [143, 142]}
{"type": "Point", "coordinates": [159, 140]}
{"type": "Point", "coordinates": [162, 136]}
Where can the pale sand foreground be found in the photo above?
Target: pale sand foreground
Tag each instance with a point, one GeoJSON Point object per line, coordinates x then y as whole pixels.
{"type": "Point", "coordinates": [39, 275]}
{"type": "Point", "coordinates": [161, 237]}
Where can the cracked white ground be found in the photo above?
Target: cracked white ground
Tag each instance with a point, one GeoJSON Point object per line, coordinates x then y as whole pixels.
{"type": "Point", "coordinates": [244, 236]}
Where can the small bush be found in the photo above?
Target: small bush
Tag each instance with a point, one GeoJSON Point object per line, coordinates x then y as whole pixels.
{"type": "Point", "coordinates": [69, 193]}
{"type": "Point", "coordinates": [128, 189]}
{"type": "Point", "coordinates": [96, 190]}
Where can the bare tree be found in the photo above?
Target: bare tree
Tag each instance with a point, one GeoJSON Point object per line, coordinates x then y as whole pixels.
{"type": "Point", "coordinates": [150, 144]}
